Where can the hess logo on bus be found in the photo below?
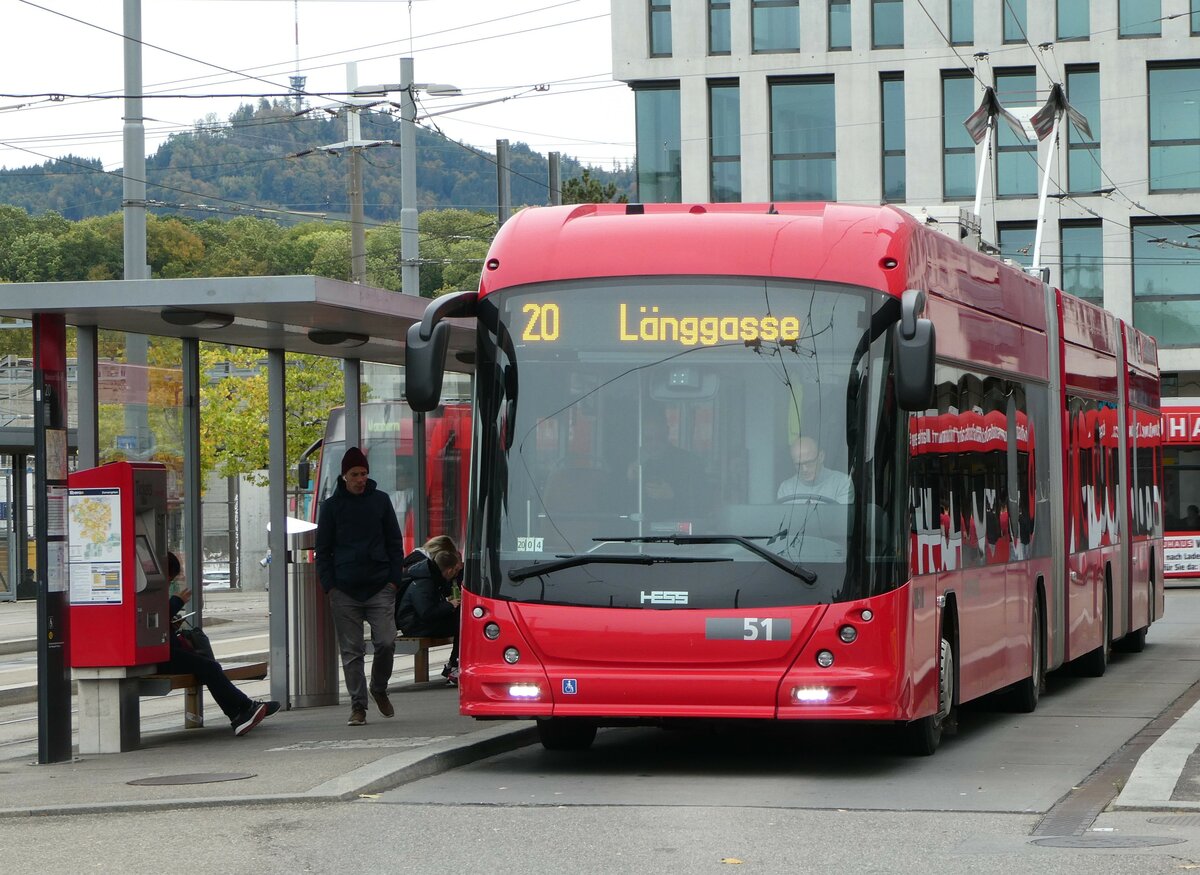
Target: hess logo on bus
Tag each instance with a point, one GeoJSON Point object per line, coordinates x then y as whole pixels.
{"type": "Point", "coordinates": [665, 597]}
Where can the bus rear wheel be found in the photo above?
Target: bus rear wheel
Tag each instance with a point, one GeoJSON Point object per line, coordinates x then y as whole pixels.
{"type": "Point", "coordinates": [560, 733]}
{"type": "Point", "coordinates": [1024, 695]}
{"type": "Point", "coordinates": [922, 737]}
{"type": "Point", "coordinates": [1094, 663]}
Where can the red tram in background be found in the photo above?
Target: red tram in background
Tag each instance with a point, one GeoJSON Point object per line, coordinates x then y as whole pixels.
{"type": "Point", "coordinates": [387, 440]}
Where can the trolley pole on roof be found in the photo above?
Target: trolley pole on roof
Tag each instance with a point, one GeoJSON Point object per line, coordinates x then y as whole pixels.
{"type": "Point", "coordinates": [981, 125]}
{"type": "Point", "coordinates": [1046, 124]}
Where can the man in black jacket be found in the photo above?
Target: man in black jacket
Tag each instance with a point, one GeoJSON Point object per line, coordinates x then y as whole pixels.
{"type": "Point", "coordinates": [360, 554]}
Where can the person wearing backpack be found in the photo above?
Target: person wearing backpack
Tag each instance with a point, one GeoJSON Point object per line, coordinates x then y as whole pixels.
{"type": "Point", "coordinates": [428, 605]}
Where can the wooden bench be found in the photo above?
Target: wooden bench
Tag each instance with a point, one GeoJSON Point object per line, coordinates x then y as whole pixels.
{"type": "Point", "coordinates": [109, 711]}
{"type": "Point", "coordinates": [421, 657]}
{"type": "Point", "coordinates": [193, 715]}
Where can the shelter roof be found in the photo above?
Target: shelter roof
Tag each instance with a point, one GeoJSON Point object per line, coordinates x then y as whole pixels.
{"type": "Point", "coordinates": [273, 312]}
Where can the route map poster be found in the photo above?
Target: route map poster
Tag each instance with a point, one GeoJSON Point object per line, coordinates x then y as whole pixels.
{"type": "Point", "coordinates": [94, 520]}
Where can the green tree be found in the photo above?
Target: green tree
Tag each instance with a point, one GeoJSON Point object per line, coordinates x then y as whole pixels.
{"type": "Point", "coordinates": [233, 418]}
{"type": "Point", "coordinates": [453, 246]}
{"type": "Point", "coordinates": [36, 258]}
{"type": "Point", "coordinates": [93, 249]}
{"type": "Point", "coordinates": [587, 190]}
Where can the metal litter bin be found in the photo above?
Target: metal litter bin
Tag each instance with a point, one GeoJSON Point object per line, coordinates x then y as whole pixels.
{"type": "Point", "coordinates": [314, 681]}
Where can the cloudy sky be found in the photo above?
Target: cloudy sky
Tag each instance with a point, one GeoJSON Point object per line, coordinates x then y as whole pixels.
{"type": "Point", "coordinates": [545, 65]}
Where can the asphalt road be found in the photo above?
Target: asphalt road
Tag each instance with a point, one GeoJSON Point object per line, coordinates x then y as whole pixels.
{"type": "Point", "coordinates": [789, 799]}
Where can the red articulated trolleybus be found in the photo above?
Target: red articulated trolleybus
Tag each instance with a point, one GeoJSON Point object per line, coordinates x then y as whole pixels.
{"type": "Point", "coordinates": [789, 462]}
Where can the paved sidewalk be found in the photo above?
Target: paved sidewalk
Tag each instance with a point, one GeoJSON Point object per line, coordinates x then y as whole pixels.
{"type": "Point", "coordinates": [303, 755]}
{"type": "Point", "coordinates": [294, 756]}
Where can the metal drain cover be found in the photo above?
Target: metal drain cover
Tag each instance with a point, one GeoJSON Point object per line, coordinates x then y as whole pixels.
{"type": "Point", "coordinates": [195, 778]}
{"type": "Point", "coordinates": [1105, 841]}
{"type": "Point", "coordinates": [1177, 820]}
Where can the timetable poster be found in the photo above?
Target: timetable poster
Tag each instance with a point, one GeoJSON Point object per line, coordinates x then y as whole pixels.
{"type": "Point", "coordinates": [94, 519]}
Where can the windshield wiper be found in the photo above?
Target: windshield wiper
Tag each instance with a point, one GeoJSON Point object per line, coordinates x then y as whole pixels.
{"type": "Point", "coordinates": [539, 568]}
{"type": "Point", "coordinates": [747, 541]}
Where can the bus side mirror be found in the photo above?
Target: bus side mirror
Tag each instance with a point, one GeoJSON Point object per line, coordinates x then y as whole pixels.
{"type": "Point", "coordinates": [424, 366]}
{"type": "Point", "coordinates": [425, 349]}
{"type": "Point", "coordinates": [914, 347]}
{"type": "Point", "coordinates": [303, 473]}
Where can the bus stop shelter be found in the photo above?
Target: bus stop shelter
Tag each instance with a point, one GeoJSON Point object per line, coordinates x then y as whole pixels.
{"type": "Point", "coordinates": [297, 314]}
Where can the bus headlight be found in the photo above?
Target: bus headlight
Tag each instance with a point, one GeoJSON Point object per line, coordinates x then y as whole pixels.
{"type": "Point", "coordinates": [848, 634]}
{"type": "Point", "coordinates": [491, 631]}
{"type": "Point", "coordinates": [524, 691]}
{"type": "Point", "coordinates": [477, 612]}
{"type": "Point", "coordinates": [825, 659]}
{"type": "Point", "coordinates": [511, 655]}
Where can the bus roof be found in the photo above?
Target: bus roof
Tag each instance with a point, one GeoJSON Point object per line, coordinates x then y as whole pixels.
{"type": "Point", "coordinates": [833, 242]}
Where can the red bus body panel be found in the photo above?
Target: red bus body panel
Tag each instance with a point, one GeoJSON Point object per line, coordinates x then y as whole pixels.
{"type": "Point", "coordinates": [647, 664]}
{"type": "Point", "coordinates": [657, 664]}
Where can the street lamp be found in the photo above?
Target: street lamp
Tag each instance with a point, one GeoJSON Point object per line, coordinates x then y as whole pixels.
{"type": "Point", "coordinates": [410, 272]}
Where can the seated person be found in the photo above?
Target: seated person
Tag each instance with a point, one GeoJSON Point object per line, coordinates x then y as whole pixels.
{"type": "Point", "coordinates": [242, 712]}
{"type": "Point", "coordinates": [672, 479]}
{"type": "Point", "coordinates": [812, 480]}
{"type": "Point", "coordinates": [429, 606]}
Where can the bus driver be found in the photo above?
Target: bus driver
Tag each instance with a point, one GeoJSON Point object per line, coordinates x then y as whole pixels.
{"type": "Point", "coordinates": [812, 480]}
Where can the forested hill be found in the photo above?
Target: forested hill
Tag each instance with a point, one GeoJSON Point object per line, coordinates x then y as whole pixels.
{"type": "Point", "coordinates": [233, 167]}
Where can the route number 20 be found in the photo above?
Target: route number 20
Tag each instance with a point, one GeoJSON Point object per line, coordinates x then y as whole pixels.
{"type": "Point", "coordinates": [542, 324]}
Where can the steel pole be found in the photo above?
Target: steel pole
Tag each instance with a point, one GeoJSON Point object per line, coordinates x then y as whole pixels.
{"type": "Point", "coordinates": [410, 269]}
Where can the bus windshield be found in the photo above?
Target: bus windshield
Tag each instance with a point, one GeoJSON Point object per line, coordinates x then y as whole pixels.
{"type": "Point", "coordinates": [687, 442]}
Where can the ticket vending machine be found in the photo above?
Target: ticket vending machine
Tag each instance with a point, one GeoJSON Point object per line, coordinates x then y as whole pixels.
{"type": "Point", "coordinates": [120, 595]}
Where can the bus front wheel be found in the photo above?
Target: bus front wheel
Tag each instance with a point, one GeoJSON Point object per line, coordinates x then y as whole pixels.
{"type": "Point", "coordinates": [559, 733]}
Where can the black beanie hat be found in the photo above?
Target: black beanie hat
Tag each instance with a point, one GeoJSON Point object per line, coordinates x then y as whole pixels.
{"type": "Point", "coordinates": [354, 458]}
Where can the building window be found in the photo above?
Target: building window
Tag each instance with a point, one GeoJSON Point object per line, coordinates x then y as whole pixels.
{"type": "Point", "coordinates": [1016, 157]}
{"type": "Point", "coordinates": [1016, 22]}
{"type": "Point", "coordinates": [1174, 128]}
{"type": "Point", "coordinates": [887, 24]}
{"type": "Point", "coordinates": [1073, 19]}
{"type": "Point", "coordinates": [891, 91]}
{"type": "Point", "coordinates": [775, 25]}
{"type": "Point", "coordinates": [1083, 153]}
{"type": "Point", "coordinates": [962, 22]}
{"type": "Point", "coordinates": [658, 144]}
{"type": "Point", "coordinates": [725, 137]}
{"type": "Point", "coordinates": [1082, 246]}
{"type": "Point", "coordinates": [1139, 18]}
{"type": "Point", "coordinates": [718, 27]}
{"type": "Point", "coordinates": [1166, 277]}
{"type": "Point", "coordinates": [1016, 241]}
{"type": "Point", "coordinates": [803, 140]}
{"type": "Point", "coordinates": [839, 25]}
{"type": "Point", "coordinates": [1195, 17]}
{"type": "Point", "coordinates": [958, 149]}
{"type": "Point", "coordinates": [660, 28]}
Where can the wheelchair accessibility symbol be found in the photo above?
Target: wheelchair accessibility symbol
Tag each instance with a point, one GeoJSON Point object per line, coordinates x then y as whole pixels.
{"type": "Point", "coordinates": [570, 686]}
